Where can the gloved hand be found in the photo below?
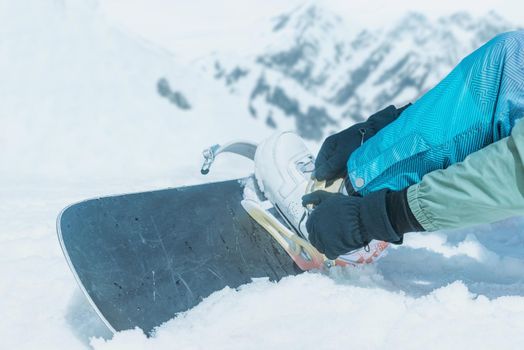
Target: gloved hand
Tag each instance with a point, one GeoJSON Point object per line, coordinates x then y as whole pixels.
{"type": "Point", "coordinates": [339, 224]}
{"type": "Point", "coordinates": [334, 153]}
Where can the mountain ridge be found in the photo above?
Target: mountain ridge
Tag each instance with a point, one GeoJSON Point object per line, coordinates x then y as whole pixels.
{"type": "Point", "coordinates": [316, 75]}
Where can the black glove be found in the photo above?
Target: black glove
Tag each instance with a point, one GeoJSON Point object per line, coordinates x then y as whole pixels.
{"type": "Point", "coordinates": [340, 224]}
{"type": "Point", "coordinates": [334, 153]}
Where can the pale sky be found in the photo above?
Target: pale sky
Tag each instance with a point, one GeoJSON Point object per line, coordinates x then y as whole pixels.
{"type": "Point", "coordinates": [195, 25]}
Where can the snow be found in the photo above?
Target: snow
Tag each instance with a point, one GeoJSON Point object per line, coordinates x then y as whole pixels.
{"type": "Point", "coordinates": [80, 117]}
{"type": "Point", "coordinates": [319, 312]}
{"type": "Point", "coordinates": [85, 95]}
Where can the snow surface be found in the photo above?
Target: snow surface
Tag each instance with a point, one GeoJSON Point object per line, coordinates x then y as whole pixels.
{"type": "Point", "coordinates": [80, 117]}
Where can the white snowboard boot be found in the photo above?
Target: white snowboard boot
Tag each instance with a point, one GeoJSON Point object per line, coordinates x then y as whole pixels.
{"type": "Point", "coordinates": [283, 168]}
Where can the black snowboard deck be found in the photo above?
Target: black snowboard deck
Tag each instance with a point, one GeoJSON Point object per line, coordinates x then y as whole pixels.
{"type": "Point", "coordinates": [142, 258]}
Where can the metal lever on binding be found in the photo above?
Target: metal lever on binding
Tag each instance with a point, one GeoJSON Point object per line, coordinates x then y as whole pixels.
{"type": "Point", "coordinates": [209, 157]}
{"type": "Point", "coordinates": [242, 148]}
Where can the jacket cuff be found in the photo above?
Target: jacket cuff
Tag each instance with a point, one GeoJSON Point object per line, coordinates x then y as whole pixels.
{"type": "Point", "coordinates": [417, 208]}
{"type": "Point", "coordinates": [400, 214]}
{"type": "Point", "coordinates": [375, 218]}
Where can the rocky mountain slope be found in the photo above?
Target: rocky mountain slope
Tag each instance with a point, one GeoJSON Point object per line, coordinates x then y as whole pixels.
{"type": "Point", "coordinates": [316, 75]}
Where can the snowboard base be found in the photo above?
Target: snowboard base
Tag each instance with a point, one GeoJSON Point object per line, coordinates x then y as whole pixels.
{"type": "Point", "coordinates": [142, 258]}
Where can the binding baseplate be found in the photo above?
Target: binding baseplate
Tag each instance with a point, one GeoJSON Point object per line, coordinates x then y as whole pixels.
{"type": "Point", "coordinates": [300, 250]}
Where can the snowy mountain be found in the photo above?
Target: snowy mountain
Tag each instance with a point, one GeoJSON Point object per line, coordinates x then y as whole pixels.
{"type": "Point", "coordinates": [316, 75]}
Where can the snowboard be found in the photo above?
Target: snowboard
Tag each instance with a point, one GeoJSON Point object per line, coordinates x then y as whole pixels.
{"type": "Point", "coordinates": [142, 258]}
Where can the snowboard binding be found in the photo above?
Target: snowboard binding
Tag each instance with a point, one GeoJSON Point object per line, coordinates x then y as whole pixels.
{"type": "Point", "coordinates": [262, 208]}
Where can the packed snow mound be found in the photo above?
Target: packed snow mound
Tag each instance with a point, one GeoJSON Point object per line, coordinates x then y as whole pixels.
{"type": "Point", "coordinates": [312, 311]}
